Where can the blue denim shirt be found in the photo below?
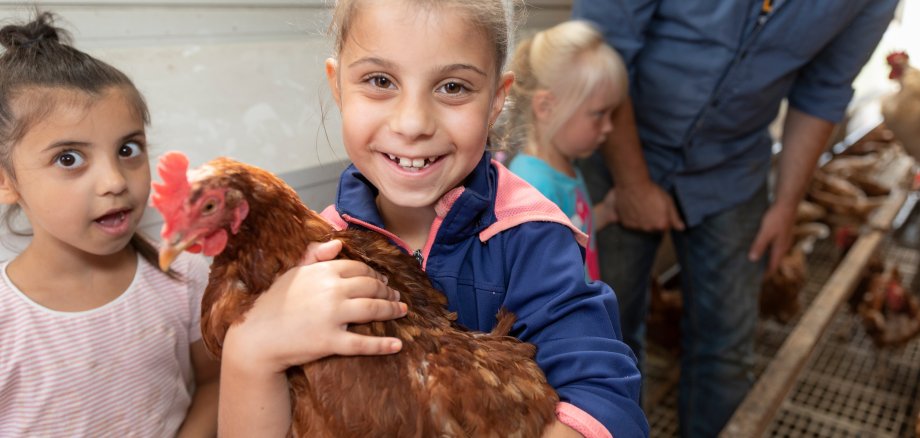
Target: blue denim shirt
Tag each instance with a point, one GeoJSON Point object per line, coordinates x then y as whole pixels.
{"type": "Point", "coordinates": [707, 78]}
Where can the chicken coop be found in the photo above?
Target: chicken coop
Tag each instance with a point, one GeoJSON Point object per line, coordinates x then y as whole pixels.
{"type": "Point", "coordinates": [837, 351]}
{"type": "Point", "coordinates": [836, 347]}
{"type": "Point", "coordinates": [826, 366]}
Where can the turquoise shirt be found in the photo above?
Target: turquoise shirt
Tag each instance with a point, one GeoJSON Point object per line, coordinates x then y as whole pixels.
{"type": "Point", "coordinates": [570, 194]}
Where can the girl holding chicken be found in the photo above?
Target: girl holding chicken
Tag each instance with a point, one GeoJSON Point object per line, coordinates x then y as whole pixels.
{"type": "Point", "coordinates": [419, 84]}
{"type": "Point", "coordinates": [94, 339]}
{"type": "Point", "coordinates": [567, 83]}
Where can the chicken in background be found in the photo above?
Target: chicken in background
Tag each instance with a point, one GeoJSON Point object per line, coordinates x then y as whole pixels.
{"type": "Point", "coordinates": [901, 110]}
{"type": "Point", "coordinates": [780, 294]}
{"type": "Point", "coordinates": [874, 267]}
{"type": "Point", "coordinates": [853, 184]}
{"type": "Point", "coordinates": [890, 314]}
{"type": "Point", "coordinates": [446, 381]}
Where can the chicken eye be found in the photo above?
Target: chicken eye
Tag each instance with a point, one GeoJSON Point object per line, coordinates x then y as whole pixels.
{"type": "Point", "coordinates": [210, 206]}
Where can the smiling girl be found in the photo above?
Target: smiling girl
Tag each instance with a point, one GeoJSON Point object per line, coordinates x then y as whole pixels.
{"type": "Point", "coordinates": [95, 339]}
{"type": "Point", "coordinates": [419, 84]}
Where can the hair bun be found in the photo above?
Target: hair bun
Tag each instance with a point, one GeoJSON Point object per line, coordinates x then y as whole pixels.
{"type": "Point", "coordinates": [26, 35]}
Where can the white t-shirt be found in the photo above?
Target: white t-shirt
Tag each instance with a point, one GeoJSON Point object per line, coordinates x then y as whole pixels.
{"type": "Point", "coordinates": [120, 370]}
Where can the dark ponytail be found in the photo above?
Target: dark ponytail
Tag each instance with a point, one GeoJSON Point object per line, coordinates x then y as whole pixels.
{"type": "Point", "coordinates": [26, 36]}
{"type": "Point", "coordinates": [39, 56]}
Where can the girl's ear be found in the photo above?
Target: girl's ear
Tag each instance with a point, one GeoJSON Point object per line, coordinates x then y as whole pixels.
{"type": "Point", "coordinates": [542, 105]}
{"type": "Point", "coordinates": [498, 101]}
{"type": "Point", "coordinates": [332, 77]}
{"type": "Point", "coordinates": [8, 193]}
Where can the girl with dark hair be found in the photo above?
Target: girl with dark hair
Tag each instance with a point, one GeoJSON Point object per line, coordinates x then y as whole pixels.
{"type": "Point", "coordinates": [95, 339]}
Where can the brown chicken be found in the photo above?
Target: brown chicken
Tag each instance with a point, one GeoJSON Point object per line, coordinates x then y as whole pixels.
{"type": "Point", "coordinates": [890, 314]}
{"type": "Point", "coordinates": [901, 110]}
{"type": "Point", "coordinates": [446, 381]}
{"type": "Point", "coordinates": [780, 294]}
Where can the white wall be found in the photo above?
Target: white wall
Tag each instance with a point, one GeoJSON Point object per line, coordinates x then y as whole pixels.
{"type": "Point", "coordinates": [230, 77]}
{"type": "Point", "coordinates": [239, 78]}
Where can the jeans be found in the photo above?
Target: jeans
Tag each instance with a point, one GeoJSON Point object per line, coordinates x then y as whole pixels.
{"type": "Point", "coordinates": [720, 289]}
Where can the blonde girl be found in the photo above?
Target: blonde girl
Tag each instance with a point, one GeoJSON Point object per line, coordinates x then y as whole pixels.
{"type": "Point", "coordinates": [419, 84]}
{"type": "Point", "coordinates": [94, 339]}
{"type": "Point", "coordinates": [567, 83]}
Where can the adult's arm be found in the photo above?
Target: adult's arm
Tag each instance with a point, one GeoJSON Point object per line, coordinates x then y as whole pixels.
{"type": "Point", "coordinates": [818, 100]}
{"type": "Point", "coordinates": [639, 203]}
{"type": "Point", "coordinates": [804, 139]}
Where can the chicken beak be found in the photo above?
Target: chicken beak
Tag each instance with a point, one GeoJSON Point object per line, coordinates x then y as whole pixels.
{"type": "Point", "coordinates": [168, 253]}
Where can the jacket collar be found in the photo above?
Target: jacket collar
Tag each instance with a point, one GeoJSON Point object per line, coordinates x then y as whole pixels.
{"type": "Point", "coordinates": [463, 215]}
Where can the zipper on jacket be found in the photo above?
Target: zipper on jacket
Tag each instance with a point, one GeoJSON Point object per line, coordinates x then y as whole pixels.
{"type": "Point", "coordinates": [419, 258]}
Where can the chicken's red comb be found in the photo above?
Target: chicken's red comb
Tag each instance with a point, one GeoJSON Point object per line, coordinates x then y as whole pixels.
{"type": "Point", "coordinates": [897, 55]}
{"type": "Point", "coordinates": [169, 195]}
{"type": "Point", "coordinates": [898, 61]}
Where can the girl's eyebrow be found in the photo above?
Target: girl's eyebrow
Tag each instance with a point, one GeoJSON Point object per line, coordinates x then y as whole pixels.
{"type": "Point", "coordinates": [443, 70]}
{"type": "Point", "coordinates": [375, 61]}
{"type": "Point", "coordinates": [75, 143]}
{"type": "Point", "coordinates": [454, 67]}
{"type": "Point", "coordinates": [64, 144]}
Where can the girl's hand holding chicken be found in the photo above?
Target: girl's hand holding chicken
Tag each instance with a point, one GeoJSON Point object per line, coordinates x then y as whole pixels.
{"type": "Point", "coordinates": [336, 293]}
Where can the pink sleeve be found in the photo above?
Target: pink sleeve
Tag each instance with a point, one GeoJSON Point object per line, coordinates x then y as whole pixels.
{"type": "Point", "coordinates": [581, 421]}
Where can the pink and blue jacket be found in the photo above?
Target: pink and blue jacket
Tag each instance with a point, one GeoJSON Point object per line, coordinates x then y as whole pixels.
{"type": "Point", "coordinates": [497, 242]}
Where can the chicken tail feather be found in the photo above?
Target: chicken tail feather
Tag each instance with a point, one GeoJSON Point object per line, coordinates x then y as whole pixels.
{"type": "Point", "coordinates": [505, 320]}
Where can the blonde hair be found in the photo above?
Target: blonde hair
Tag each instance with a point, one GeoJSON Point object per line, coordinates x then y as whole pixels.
{"type": "Point", "coordinates": [495, 18]}
{"type": "Point", "coordinates": [570, 60]}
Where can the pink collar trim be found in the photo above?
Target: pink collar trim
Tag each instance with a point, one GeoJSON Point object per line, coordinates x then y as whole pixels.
{"type": "Point", "coordinates": [517, 202]}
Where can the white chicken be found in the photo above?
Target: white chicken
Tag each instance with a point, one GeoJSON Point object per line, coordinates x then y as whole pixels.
{"type": "Point", "coordinates": [901, 110]}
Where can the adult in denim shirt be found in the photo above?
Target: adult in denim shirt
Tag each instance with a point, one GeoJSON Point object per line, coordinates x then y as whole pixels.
{"type": "Point", "coordinates": [706, 79]}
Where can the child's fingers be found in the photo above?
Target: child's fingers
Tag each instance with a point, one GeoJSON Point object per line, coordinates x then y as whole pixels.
{"type": "Point", "coordinates": [361, 310]}
{"type": "Point", "coordinates": [354, 268]}
{"type": "Point", "coordinates": [321, 251]}
{"type": "Point", "coordinates": [366, 287]}
{"type": "Point", "coordinates": [353, 344]}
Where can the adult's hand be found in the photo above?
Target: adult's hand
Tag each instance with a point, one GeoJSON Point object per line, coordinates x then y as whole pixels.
{"type": "Point", "coordinates": [646, 207]}
{"type": "Point", "coordinates": [605, 212]}
{"type": "Point", "coordinates": [775, 234]}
